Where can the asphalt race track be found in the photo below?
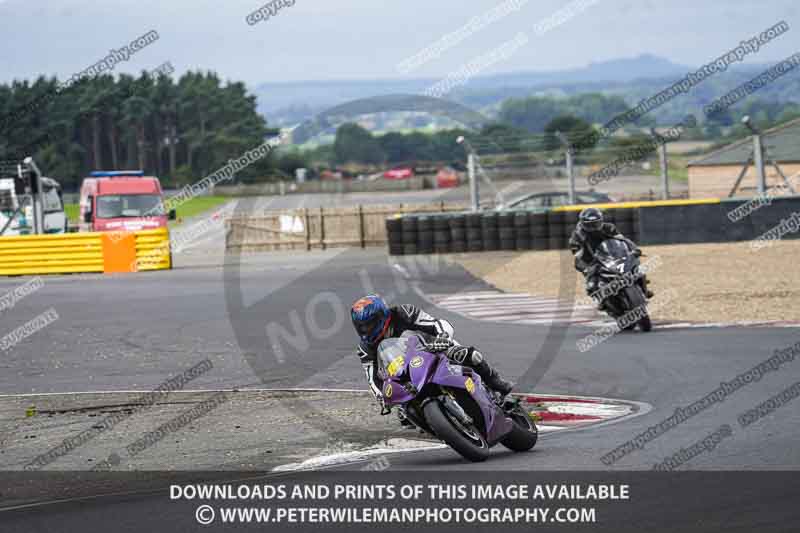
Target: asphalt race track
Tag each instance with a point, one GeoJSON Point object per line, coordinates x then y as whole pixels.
{"type": "Point", "coordinates": [129, 333]}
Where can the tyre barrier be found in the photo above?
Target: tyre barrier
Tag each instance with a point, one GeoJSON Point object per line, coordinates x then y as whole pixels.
{"type": "Point", "coordinates": [477, 232]}
{"type": "Point", "coordinates": [646, 223]}
{"type": "Point", "coordinates": [424, 235]}
{"type": "Point", "coordinates": [489, 231]}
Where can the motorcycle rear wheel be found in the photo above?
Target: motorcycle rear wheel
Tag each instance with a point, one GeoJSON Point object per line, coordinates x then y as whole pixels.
{"type": "Point", "coordinates": [467, 441]}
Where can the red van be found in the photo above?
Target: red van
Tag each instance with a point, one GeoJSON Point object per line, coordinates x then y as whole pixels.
{"type": "Point", "coordinates": [124, 200]}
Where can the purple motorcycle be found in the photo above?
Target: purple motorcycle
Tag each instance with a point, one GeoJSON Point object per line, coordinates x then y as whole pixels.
{"type": "Point", "coordinates": [450, 401]}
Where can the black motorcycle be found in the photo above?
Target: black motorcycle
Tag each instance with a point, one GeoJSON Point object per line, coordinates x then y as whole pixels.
{"type": "Point", "coordinates": [620, 290]}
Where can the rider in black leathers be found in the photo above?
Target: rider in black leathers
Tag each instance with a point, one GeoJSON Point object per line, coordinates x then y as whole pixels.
{"type": "Point", "coordinates": [587, 236]}
{"type": "Point", "coordinates": [374, 321]}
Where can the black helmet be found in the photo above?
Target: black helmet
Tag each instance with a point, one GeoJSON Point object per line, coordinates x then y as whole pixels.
{"type": "Point", "coordinates": [591, 219]}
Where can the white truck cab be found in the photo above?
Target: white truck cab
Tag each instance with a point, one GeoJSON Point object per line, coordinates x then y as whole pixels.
{"type": "Point", "coordinates": [55, 219]}
{"type": "Point", "coordinates": [16, 209]}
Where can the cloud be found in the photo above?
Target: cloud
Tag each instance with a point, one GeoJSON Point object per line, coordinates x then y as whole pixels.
{"type": "Point", "coordinates": [365, 39]}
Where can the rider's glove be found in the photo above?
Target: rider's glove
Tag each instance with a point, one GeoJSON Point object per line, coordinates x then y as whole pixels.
{"type": "Point", "coordinates": [637, 252]}
{"type": "Point", "coordinates": [441, 343]}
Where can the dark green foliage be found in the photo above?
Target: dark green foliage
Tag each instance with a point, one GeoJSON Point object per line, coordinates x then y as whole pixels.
{"type": "Point", "coordinates": [178, 130]}
{"type": "Point", "coordinates": [534, 113]}
{"type": "Point", "coordinates": [573, 128]}
{"type": "Point", "coordinates": [355, 144]}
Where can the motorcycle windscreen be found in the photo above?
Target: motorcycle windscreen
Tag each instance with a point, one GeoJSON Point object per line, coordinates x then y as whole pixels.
{"type": "Point", "coordinates": [613, 249]}
{"type": "Point", "coordinates": [392, 356]}
{"type": "Point", "coordinates": [612, 253]}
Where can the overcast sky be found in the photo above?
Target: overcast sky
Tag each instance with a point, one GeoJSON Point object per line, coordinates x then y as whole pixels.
{"type": "Point", "coordinates": [366, 39]}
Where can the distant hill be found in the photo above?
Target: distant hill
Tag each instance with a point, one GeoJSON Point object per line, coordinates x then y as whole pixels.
{"type": "Point", "coordinates": [632, 78]}
{"type": "Point", "coordinates": [617, 70]}
{"type": "Point", "coordinates": [312, 94]}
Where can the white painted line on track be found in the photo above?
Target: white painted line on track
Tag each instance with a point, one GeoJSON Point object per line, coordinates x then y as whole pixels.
{"type": "Point", "coordinates": [515, 307]}
{"type": "Point", "coordinates": [544, 321]}
{"type": "Point", "coordinates": [639, 408]}
{"type": "Point", "coordinates": [412, 445]}
{"type": "Point", "coordinates": [518, 308]}
{"type": "Point", "coordinates": [606, 410]}
{"type": "Point", "coordinates": [490, 296]}
{"type": "Point", "coordinates": [527, 304]}
{"type": "Point", "coordinates": [402, 270]}
{"type": "Point", "coordinates": [552, 311]}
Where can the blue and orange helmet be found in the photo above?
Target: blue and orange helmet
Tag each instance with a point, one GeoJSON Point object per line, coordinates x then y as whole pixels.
{"type": "Point", "coordinates": [371, 317]}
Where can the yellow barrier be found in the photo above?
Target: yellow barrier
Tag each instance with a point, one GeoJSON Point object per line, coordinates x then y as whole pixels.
{"type": "Point", "coordinates": [647, 203]}
{"type": "Point", "coordinates": [153, 250]}
{"type": "Point", "coordinates": [71, 253]}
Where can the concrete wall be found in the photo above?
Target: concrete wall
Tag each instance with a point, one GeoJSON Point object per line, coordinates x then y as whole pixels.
{"type": "Point", "coordinates": [717, 181]}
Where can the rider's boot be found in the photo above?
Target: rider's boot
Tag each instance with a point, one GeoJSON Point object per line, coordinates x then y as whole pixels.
{"type": "Point", "coordinates": [644, 282]}
{"type": "Point", "coordinates": [472, 358]}
{"type": "Point", "coordinates": [404, 421]}
{"type": "Point", "coordinates": [591, 289]}
{"type": "Point", "coordinates": [489, 375]}
{"type": "Point", "coordinates": [600, 305]}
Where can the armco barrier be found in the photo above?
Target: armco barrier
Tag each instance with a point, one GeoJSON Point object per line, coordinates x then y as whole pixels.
{"type": "Point", "coordinates": [638, 204]}
{"type": "Point", "coordinates": [85, 253]}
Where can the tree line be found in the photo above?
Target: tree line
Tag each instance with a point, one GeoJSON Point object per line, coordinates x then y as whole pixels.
{"type": "Point", "coordinates": [179, 130]}
{"type": "Point", "coordinates": [183, 129]}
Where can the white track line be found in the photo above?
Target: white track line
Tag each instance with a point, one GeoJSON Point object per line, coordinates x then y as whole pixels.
{"type": "Point", "coordinates": [323, 462]}
{"type": "Point", "coordinates": [477, 296]}
{"type": "Point", "coordinates": [401, 269]}
{"type": "Point", "coordinates": [527, 304]}
{"type": "Point", "coordinates": [551, 311]}
{"type": "Point", "coordinates": [520, 308]}
{"type": "Point", "coordinates": [544, 321]}
{"type": "Point", "coordinates": [517, 308]}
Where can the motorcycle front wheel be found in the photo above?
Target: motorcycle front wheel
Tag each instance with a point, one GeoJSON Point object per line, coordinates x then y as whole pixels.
{"type": "Point", "coordinates": [467, 441]}
{"type": "Point", "coordinates": [637, 299]}
{"type": "Point", "coordinates": [523, 435]}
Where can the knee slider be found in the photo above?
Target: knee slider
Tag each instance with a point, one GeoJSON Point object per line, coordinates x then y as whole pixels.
{"type": "Point", "coordinates": [477, 357]}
